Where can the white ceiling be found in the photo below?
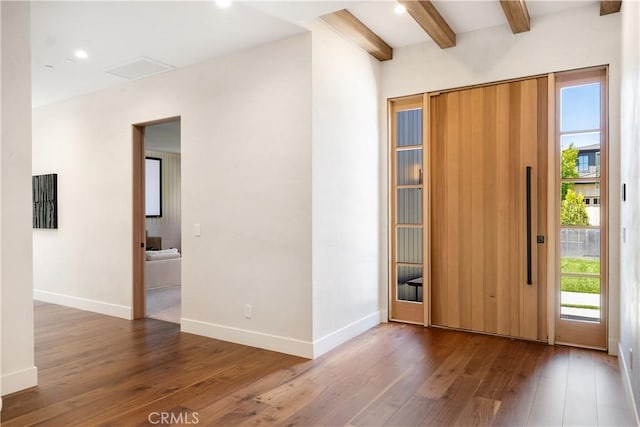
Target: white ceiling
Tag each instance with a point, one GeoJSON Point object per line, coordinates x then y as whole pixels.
{"type": "Point", "coordinates": [117, 32]}
{"type": "Point", "coordinates": [180, 33]}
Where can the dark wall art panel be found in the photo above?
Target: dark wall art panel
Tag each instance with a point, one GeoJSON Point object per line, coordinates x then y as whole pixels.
{"type": "Point", "coordinates": [45, 201]}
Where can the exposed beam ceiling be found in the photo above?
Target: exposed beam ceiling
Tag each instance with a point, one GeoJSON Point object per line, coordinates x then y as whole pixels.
{"type": "Point", "coordinates": [610, 6]}
{"type": "Point", "coordinates": [428, 17]}
{"type": "Point", "coordinates": [352, 28]}
{"type": "Point", "coordinates": [517, 15]}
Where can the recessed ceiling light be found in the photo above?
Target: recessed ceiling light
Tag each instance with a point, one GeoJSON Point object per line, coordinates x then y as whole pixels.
{"type": "Point", "coordinates": [223, 3]}
{"type": "Point", "coordinates": [399, 9]}
{"type": "Point", "coordinates": [82, 54]}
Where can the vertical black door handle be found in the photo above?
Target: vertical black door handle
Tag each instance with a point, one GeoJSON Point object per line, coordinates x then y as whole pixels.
{"type": "Point", "coordinates": [529, 271]}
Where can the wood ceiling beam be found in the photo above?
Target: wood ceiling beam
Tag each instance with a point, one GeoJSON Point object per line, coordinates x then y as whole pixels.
{"type": "Point", "coordinates": [428, 17]}
{"type": "Point", "coordinates": [517, 15]}
{"type": "Point", "coordinates": [351, 27]}
{"type": "Point", "coordinates": [610, 6]}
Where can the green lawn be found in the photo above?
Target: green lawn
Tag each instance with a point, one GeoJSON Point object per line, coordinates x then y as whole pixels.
{"type": "Point", "coordinates": [579, 265]}
{"type": "Point", "coordinates": [583, 285]}
{"type": "Point", "coordinates": [590, 307]}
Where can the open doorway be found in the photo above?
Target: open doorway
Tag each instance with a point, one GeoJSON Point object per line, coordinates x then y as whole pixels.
{"type": "Point", "coordinates": [157, 220]}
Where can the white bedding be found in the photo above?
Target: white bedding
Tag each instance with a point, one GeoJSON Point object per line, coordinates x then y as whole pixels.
{"type": "Point", "coordinates": [163, 268]}
{"type": "Point", "coordinates": [163, 254]}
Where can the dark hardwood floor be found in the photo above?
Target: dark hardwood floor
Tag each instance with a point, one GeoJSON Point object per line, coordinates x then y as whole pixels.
{"type": "Point", "coordinates": [99, 370]}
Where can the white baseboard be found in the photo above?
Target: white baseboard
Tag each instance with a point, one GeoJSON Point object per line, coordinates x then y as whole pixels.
{"type": "Point", "coordinates": [250, 338]}
{"type": "Point", "coordinates": [114, 310]}
{"type": "Point", "coordinates": [20, 380]}
{"type": "Point", "coordinates": [334, 339]}
{"type": "Point", "coordinates": [626, 380]}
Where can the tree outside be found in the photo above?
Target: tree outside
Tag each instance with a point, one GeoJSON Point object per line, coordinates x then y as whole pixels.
{"type": "Point", "coordinates": [573, 210]}
{"type": "Point", "coordinates": [569, 167]}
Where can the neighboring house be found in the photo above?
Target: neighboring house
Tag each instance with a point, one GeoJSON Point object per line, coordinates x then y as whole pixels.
{"type": "Point", "coordinates": [588, 166]}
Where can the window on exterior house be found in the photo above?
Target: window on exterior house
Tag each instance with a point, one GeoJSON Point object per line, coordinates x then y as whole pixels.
{"type": "Point", "coordinates": [583, 164]}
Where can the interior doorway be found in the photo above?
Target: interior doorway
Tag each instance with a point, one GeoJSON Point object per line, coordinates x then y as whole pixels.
{"type": "Point", "coordinates": [157, 220]}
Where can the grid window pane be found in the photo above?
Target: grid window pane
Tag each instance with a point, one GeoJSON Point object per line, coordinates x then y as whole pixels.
{"type": "Point", "coordinates": [409, 245]}
{"type": "Point", "coordinates": [580, 107]}
{"type": "Point", "coordinates": [580, 244]}
{"type": "Point", "coordinates": [409, 170]}
{"type": "Point", "coordinates": [409, 206]}
{"type": "Point", "coordinates": [580, 203]}
{"type": "Point", "coordinates": [409, 127]}
{"type": "Point", "coordinates": [409, 286]}
{"type": "Point", "coordinates": [580, 298]}
{"type": "Point", "coordinates": [580, 155]}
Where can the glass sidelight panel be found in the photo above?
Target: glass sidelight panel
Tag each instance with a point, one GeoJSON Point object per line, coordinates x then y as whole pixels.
{"type": "Point", "coordinates": [409, 246]}
{"type": "Point", "coordinates": [409, 128]}
{"type": "Point", "coordinates": [409, 206]}
{"type": "Point", "coordinates": [581, 311]}
{"type": "Point", "coordinates": [409, 286]}
{"type": "Point", "coordinates": [408, 209]}
{"type": "Point", "coordinates": [409, 167]}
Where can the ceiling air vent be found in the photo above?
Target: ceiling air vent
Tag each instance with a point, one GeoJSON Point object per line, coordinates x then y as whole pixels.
{"type": "Point", "coordinates": [139, 68]}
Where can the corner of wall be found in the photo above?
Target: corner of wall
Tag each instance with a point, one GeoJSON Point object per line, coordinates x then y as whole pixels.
{"type": "Point", "coordinates": [628, 390]}
{"type": "Point", "coordinates": [20, 380]}
{"type": "Point", "coordinates": [246, 337]}
{"type": "Point", "coordinates": [17, 370]}
{"type": "Point", "coordinates": [344, 334]}
{"type": "Point", "coordinates": [345, 193]}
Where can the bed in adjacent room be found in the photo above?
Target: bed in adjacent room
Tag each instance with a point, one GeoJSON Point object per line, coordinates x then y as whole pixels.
{"type": "Point", "coordinates": [163, 268]}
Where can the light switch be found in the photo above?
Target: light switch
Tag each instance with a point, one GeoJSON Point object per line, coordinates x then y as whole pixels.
{"type": "Point", "coordinates": [196, 230]}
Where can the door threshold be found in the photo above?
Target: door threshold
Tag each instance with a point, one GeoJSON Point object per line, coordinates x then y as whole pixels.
{"type": "Point", "coordinates": [588, 347]}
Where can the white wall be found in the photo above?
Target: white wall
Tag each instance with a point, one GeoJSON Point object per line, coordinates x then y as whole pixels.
{"type": "Point", "coordinates": [168, 227]}
{"type": "Point", "coordinates": [17, 356]}
{"type": "Point", "coordinates": [630, 211]}
{"type": "Point", "coordinates": [246, 157]}
{"type": "Point", "coordinates": [573, 39]}
{"type": "Point", "coordinates": [345, 189]}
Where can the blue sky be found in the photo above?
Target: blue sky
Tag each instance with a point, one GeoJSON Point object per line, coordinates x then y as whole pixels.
{"type": "Point", "coordinates": [580, 107]}
{"type": "Point", "coordinates": [580, 110]}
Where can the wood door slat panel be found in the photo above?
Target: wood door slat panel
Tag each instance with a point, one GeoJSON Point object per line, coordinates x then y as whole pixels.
{"type": "Point", "coordinates": [464, 204]}
{"type": "Point", "coordinates": [438, 112]}
{"type": "Point", "coordinates": [503, 210]}
{"type": "Point", "coordinates": [490, 213]}
{"type": "Point", "coordinates": [477, 197]}
{"type": "Point", "coordinates": [452, 171]}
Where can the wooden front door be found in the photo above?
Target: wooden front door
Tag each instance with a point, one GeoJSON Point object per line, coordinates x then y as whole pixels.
{"type": "Point", "coordinates": [488, 208]}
